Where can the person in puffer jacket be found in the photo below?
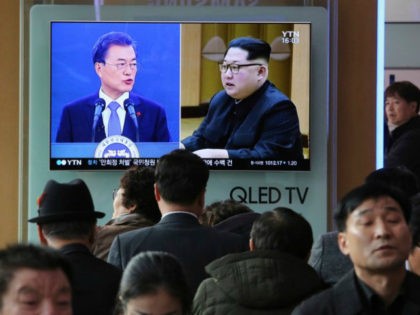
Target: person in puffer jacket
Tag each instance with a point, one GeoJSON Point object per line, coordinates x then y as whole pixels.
{"type": "Point", "coordinates": [272, 278]}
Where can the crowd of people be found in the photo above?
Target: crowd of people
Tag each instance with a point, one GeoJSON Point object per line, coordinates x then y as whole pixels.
{"type": "Point", "coordinates": [168, 255]}
{"type": "Point", "coordinates": [166, 252]}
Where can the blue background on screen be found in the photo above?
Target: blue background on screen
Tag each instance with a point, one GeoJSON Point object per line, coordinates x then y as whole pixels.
{"type": "Point", "coordinates": [73, 75]}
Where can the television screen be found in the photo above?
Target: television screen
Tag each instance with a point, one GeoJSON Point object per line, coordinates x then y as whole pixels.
{"type": "Point", "coordinates": [165, 79]}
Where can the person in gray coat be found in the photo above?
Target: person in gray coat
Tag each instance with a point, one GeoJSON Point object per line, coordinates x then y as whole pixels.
{"type": "Point", "coordinates": [327, 259]}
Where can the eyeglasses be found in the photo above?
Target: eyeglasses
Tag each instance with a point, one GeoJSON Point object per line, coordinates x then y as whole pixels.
{"type": "Point", "coordinates": [123, 65]}
{"type": "Point", "coordinates": [234, 67]}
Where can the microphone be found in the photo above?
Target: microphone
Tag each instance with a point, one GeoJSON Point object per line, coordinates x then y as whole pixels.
{"type": "Point", "coordinates": [129, 107]}
{"type": "Point", "coordinates": [99, 107]}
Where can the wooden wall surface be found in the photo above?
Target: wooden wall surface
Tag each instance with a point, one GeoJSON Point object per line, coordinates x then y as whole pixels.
{"type": "Point", "coordinates": [356, 92]}
{"type": "Point", "coordinates": [9, 120]}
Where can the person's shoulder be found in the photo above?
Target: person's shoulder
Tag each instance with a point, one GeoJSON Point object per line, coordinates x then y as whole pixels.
{"type": "Point", "coordinates": [275, 93]}
{"type": "Point", "coordinates": [273, 98]}
{"type": "Point", "coordinates": [229, 238]}
{"type": "Point", "coordinates": [82, 101]}
{"type": "Point", "coordinates": [413, 284]}
{"type": "Point", "coordinates": [238, 224]}
{"type": "Point", "coordinates": [81, 258]}
{"type": "Point", "coordinates": [415, 121]}
{"type": "Point", "coordinates": [319, 303]}
{"type": "Point", "coordinates": [205, 285]}
{"type": "Point", "coordinates": [128, 236]}
{"type": "Point", "coordinates": [331, 236]}
{"type": "Point", "coordinates": [411, 127]}
{"type": "Point", "coordinates": [406, 136]}
{"type": "Point", "coordinates": [219, 98]}
{"type": "Point", "coordinates": [144, 101]}
{"type": "Point", "coordinates": [107, 267]}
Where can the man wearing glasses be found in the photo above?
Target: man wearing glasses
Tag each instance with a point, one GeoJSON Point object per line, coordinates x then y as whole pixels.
{"type": "Point", "coordinates": [114, 110]}
{"type": "Point", "coordinates": [251, 118]}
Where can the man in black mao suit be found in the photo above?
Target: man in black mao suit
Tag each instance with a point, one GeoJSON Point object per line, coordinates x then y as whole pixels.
{"type": "Point", "coordinates": [180, 183]}
{"type": "Point", "coordinates": [67, 222]}
{"type": "Point", "coordinates": [373, 230]}
{"type": "Point", "coordinates": [139, 119]}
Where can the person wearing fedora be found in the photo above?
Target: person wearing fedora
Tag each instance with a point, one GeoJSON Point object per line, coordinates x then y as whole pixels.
{"type": "Point", "coordinates": [67, 222]}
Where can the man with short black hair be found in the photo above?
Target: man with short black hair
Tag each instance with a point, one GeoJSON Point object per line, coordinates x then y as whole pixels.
{"type": "Point", "coordinates": [326, 258]}
{"type": "Point", "coordinates": [180, 185]}
{"type": "Point", "coordinates": [372, 220]}
{"type": "Point", "coordinates": [34, 280]}
{"type": "Point", "coordinates": [114, 57]}
{"type": "Point", "coordinates": [402, 102]}
{"type": "Point", "coordinates": [271, 278]}
{"type": "Point", "coordinates": [67, 222]}
{"type": "Point", "coordinates": [250, 118]}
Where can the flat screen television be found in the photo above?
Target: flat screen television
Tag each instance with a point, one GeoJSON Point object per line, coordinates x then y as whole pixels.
{"type": "Point", "coordinates": [177, 69]}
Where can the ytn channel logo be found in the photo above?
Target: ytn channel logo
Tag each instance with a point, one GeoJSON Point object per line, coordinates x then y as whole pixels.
{"type": "Point", "coordinates": [68, 162]}
{"type": "Point", "coordinates": [290, 37]}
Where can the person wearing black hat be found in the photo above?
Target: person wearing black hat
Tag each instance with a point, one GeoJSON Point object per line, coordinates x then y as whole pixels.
{"type": "Point", "coordinates": [67, 222]}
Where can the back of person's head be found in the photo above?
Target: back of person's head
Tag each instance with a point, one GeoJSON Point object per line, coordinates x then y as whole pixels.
{"type": "Point", "coordinates": [137, 183]}
{"type": "Point", "coordinates": [219, 211]}
{"type": "Point", "coordinates": [374, 190]}
{"type": "Point", "coordinates": [100, 48]}
{"type": "Point", "coordinates": [404, 89]}
{"type": "Point", "coordinates": [400, 177]}
{"type": "Point", "coordinates": [149, 272]}
{"type": "Point", "coordinates": [255, 47]}
{"type": "Point", "coordinates": [70, 230]}
{"type": "Point", "coordinates": [22, 256]}
{"type": "Point", "coordinates": [181, 176]}
{"type": "Point", "coordinates": [284, 230]}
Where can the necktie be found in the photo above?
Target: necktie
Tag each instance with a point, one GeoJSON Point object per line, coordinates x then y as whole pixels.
{"type": "Point", "coordinates": [114, 126]}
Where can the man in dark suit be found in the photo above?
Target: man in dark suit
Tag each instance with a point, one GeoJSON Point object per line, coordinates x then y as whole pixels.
{"type": "Point", "coordinates": [180, 184]}
{"type": "Point", "coordinates": [402, 105]}
{"type": "Point", "coordinates": [93, 118]}
{"type": "Point", "coordinates": [373, 229]}
{"type": "Point", "coordinates": [67, 222]}
{"type": "Point", "coordinates": [250, 118]}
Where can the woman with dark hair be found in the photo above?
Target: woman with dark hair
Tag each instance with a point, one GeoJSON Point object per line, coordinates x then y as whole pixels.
{"type": "Point", "coordinates": [134, 206]}
{"type": "Point", "coordinates": [154, 283]}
